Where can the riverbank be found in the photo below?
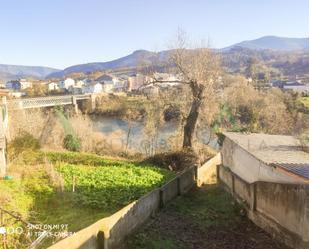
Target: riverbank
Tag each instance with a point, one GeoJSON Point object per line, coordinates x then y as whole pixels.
{"type": "Point", "coordinates": [131, 108]}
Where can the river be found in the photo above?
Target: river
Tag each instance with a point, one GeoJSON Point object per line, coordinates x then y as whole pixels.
{"type": "Point", "coordinates": [115, 131]}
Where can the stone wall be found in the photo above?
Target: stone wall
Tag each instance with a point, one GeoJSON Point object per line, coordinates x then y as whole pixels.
{"type": "Point", "coordinates": [280, 209]}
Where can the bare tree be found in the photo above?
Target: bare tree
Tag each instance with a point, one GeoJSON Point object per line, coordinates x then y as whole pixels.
{"type": "Point", "coordinates": [199, 69]}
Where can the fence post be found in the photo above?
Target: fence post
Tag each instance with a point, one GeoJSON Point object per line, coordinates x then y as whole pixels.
{"type": "Point", "coordinates": [74, 102]}
{"type": "Point", "coordinates": [92, 99]}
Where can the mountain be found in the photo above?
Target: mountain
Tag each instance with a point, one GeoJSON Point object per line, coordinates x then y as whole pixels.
{"type": "Point", "coordinates": [274, 43]}
{"type": "Point", "coordinates": [12, 72]}
{"type": "Point", "coordinates": [268, 49]}
{"type": "Point", "coordinates": [139, 57]}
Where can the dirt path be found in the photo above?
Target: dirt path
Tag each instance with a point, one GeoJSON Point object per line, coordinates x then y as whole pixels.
{"type": "Point", "coordinates": [204, 218]}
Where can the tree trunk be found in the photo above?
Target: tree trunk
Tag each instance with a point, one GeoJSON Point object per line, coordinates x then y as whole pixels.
{"type": "Point", "coordinates": [191, 120]}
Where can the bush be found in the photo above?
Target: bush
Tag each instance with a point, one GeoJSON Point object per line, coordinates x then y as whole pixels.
{"type": "Point", "coordinates": [175, 161]}
{"type": "Point", "coordinates": [24, 142]}
{"type": "Point", "coordinates": [71, 143]}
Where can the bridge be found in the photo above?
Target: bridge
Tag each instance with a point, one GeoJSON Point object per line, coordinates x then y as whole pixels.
{"type": "Point", "coordinates": [26, 103]}
{"type": "Point", "coordinates": [11, 105]}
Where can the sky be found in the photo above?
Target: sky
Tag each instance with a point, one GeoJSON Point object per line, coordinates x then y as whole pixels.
{"type": "Point", "coordinates": [61, 33]}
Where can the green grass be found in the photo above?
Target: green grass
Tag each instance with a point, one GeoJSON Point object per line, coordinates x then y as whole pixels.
{"type": "Point", "coordinates": [102, 186]}
{"type": "Point", "coordinates": [305, 101]}
{"type": "Point", "coordinates": [210, 210]}
{"type": "Point", "coordinates": [215, 208]}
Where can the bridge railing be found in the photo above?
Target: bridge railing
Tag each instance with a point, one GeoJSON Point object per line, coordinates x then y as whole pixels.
{"type": "Point", "coordinates": [25, 103]}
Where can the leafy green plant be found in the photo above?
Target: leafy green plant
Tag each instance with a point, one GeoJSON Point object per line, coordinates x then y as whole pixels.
{"type": "Point", "coordinates": [112, 186]}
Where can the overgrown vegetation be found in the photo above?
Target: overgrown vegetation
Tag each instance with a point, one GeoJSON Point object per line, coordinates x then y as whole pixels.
{"type": "Point", "coordinates": [121, 106]}
{"type": "Point", "coordinates": [73, 188]}
{"type": "Point", "coordinates": [244, 108]}
{"type": "Point", "coordinates": [305, 101]}
{"type": "Point", "coordinates": [24, 142]}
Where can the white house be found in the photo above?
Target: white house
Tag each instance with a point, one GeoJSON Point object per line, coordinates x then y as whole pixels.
{"type": "Point", "coordinates": [65, 84]}
{"type": "Point", "coordinates": [108, 87]}
{"type": "Point", "coordinates": [25, 84]}
{"type": "Point", "coordinates": [53, 86]}
{"type": "Point", "coordinates": [20, 84]}
{"type": "Point", "coordinates": [94, 87]}
{"type": "Point", "coordinates": [79, 84]}
{"type": "Point", "coordinates": [120, 84]}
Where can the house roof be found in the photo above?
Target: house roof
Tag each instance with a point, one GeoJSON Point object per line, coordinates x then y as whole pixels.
{"type": "Point", "coordinates": [280, 151]}
{"type": "Point", "coordinates": [105, 77]}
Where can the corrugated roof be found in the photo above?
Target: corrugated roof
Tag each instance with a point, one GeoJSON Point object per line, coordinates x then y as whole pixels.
{"type": "Point", "coordinates": [301, 169]}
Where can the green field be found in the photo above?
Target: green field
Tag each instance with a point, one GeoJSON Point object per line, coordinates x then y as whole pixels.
{"type": "Point", "coordinates": [42, 187]}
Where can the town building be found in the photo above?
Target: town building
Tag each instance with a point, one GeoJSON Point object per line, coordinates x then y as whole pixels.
{"type": "Point", "coordinates": [17, 85]}
{"type": "Point", "coordinates": [108, 87]}
{"type": "Point", "coordinates": [53, 86]}
{"type": "Point", "coordinates": [93, 87]}
{"type": "Point", "coordinates": [79, 83]}
{"type": "Point", "coordinates": [136, 81]}
{"type": "Point", "coordinates": [67, 83]}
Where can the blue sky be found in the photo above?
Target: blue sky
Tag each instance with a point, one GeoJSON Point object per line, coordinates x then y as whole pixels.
{"type": "Point", "coordinates": [60, 33]}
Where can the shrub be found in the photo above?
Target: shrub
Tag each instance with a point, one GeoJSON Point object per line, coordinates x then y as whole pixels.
{"type": "Point", "coordinates": [71, 143]}
{"type": "Point", "coordinates": [175, 161]}
{"type": "Point", "coordinates": [24, 142]}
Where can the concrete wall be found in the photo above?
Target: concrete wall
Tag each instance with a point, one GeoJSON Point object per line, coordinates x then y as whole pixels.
{"type": "Point", "coordinates": [248, 167]}
{"type": "Point", "coordinates": [207, 173]}
{"type": "Point", "coordinates": [111, 231]}
{"type": "Point", "coordinates": [280, 209]}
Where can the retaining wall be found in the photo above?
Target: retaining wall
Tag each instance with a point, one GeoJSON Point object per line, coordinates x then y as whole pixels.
{"type": "Point", "coordinates": [280, 209]}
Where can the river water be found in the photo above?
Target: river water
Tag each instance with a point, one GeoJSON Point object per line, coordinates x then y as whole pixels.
{"type": "Point", "coordinates": [115, 131]}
